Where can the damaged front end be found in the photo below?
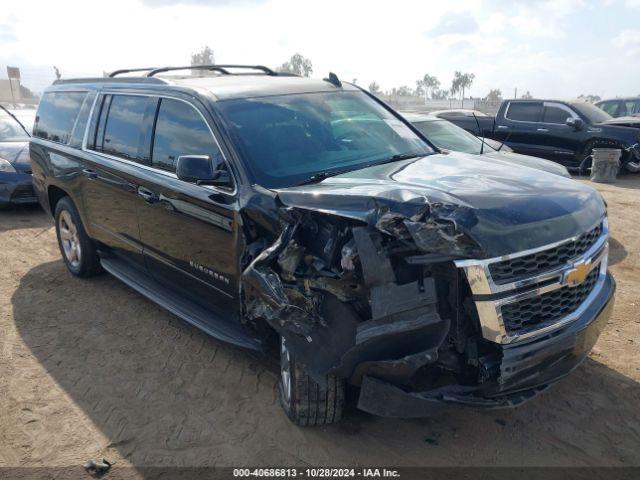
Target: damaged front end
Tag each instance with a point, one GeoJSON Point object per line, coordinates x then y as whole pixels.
{"type": "Point", "coordinates": [376, 295]}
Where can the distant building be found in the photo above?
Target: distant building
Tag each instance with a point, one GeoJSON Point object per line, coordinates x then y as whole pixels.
{"type": "Point", "coordinates": [11, 91]}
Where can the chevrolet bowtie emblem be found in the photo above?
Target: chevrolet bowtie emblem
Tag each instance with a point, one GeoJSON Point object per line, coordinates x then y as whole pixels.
{"type": "Point", "coordinates": [576, 276]}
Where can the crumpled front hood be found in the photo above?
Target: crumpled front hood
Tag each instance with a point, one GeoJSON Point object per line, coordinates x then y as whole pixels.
{"type": "Point", "coordinates": [503, 208]}
{"type": "Point", "coordinates": [17, 154]}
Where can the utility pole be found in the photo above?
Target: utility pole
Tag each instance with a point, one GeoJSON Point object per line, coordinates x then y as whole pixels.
{"type": "Point", "coordinates": [515, 93]}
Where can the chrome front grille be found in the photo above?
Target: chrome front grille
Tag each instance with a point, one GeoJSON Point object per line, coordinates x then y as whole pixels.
{"type": "Point", "coordinates": [539, 262]}
{"type": "Point", "coordinates": [537, 312]}
{"type": "Point", "coordinates": [533, 291]}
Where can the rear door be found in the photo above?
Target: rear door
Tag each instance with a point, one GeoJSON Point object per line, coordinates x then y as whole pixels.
{"type": "Point", "coordinates": [555, 139]}
{"type": "Point", "coordinates": [190, 233]}
{"type": "Point", "coordinates": [518, 127]}
{"type": "Point", "coordinates": [118, 143]}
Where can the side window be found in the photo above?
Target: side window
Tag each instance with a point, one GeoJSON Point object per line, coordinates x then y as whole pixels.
{"type": "Point", "coordinates": [77, 135]}
{"type": "Point", "coordinates": [524, 111]}
{"type": "Point", "coordinates": [180, 130]}
{"type": "Point", "coordinates": [555, 115]}
{"type": "Point", "coordinates": [57, 115]}
{"type": "Point", "coordinates": [609, 107]}
{"type": "Point", "coordinates": [122, 130]}
{"type": "Point", "coordinates": [631, 107]}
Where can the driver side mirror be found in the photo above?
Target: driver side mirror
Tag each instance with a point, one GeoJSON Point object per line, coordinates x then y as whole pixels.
{"type": "Point", "coordinates": [202, 170]}
{"type": "Point", "coordinates": [575, 123]}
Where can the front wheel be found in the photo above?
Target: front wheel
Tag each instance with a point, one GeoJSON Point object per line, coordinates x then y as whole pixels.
{"type": "Point", "coordinates": [305, 401]}
{"type": "Point", "coordinates": [78, 251]}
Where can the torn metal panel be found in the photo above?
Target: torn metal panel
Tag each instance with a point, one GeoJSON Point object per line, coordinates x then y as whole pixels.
{"type": "Point", "coordinates": [269, 299]}
{"type": "Point", "coordinates": [289, 259]}
{"type": "Point", "coordinates": [391, 299]}
{"type": "Point", "coordinates": [386, 400]}
{"type": "Point", "coordinates": [376, 267]}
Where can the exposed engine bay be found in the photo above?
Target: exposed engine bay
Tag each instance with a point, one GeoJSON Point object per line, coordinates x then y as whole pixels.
{"type": "Point", "coordinates": [359, 300]}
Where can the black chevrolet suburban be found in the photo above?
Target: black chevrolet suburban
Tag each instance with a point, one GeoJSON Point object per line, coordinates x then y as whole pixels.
{"type": "Point", "coordinates": [306, 218]}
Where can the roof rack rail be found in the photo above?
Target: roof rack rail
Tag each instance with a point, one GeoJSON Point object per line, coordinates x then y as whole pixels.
{"type": "Point", "coordinates": [129, 70]}
{"type": "Point", "coordinates": [218, 68]}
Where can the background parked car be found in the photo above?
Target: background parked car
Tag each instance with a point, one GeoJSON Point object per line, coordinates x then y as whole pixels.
{"type": "Point", "coordinates": [444, 134]}
{"type": "Point", "coordinates": [458, 112]}
{"type": "Point", "coordinates": [565, 132]}
{"type": "Point", "coordinates": [621, 107]}
{"type": "Point", "coordinates": [470, 115]}
{"type": "Point", "coordinates": [15, 165]}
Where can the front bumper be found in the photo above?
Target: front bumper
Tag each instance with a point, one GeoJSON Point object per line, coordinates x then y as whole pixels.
{"type": "Point", "coordinates": [525, 369]}
{"type": "Point", "coordinates": [16, 189]}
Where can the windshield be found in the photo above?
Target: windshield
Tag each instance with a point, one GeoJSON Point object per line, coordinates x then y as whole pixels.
{"type": "Point", "coordinates": [10, 130]}
{"type": "Point", "coordinates": [289, 139]}
{"type": "Point", "coordinates": [593, 113]}
{"type": "Point", "coordinates": [444, 134]}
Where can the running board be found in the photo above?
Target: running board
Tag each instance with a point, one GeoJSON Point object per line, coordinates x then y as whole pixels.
{"type": "Point", "coordinates": [207, 321]}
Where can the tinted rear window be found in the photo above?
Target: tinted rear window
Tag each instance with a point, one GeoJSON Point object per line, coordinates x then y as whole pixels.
{"type": "Point", "coordinates": [57, 115]}
{"type": "Point", "coordinates": [524, 111]}
{"type": "Point", "coordinates": [81, 124]}
{"type": "Point", "coordinates": [122, 130]}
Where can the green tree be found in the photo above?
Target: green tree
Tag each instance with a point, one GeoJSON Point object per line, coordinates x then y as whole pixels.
{"type": "Point", "coordinates": [297, 64]}
{"type": "Point", "coordinates": [438, 94]}
{"type": "Point", "coordinates": [374, 88]}
{"type": "Point", "coordinates": [590, 98]}
{"type": "Point", "coordinates": [461, 82]}
{"type": "Point", "coordinates": [494, 95]}
{"type": "Point", "coordinates": [427, 85]}
{"type": "Point", "coordinates": [206, 56]}
{"type": "Point", "coordinates": [527, 96]}
{"type": "Point", "coordinates": [403, 91]}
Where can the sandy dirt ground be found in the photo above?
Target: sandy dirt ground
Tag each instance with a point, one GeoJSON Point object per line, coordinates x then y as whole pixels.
{"type": "Point", "coordinates": [91, 369]}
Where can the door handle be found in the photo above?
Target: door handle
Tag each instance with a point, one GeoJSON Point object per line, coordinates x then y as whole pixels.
{"type": "Point", "coordinates": [503, 127]}
{"type": "Point", "coordinates": [542, 129]}
{"type": "Point", "coordinates": [147, 195]}
{"type": "Point", "coordinates": [92, 174]}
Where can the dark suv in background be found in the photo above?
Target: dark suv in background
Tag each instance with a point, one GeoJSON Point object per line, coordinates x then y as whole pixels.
{"type": "Point", "coordinates": [621, 107]}
{"type": "Point", "coordinates": [307, 218]}
{"type": "Point", "coordinates": [563, 131]}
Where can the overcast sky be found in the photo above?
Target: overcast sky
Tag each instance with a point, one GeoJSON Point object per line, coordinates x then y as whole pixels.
{"type": "Point", "coordinates": [557, 48]}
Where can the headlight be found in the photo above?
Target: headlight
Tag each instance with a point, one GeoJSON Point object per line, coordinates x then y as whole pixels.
{"type": "Point", "coordinates": [6, 167]}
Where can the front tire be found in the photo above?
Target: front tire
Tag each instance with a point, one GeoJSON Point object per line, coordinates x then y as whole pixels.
{"type": "Point", "coordinates": [306, 402]}
{"type": "Point", "coordinates": [77, 249]}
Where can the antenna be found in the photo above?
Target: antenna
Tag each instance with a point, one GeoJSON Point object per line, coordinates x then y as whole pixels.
{"type": "Point", "coordinates": [333, 80]}
{"type": "Point", "coordinates": [481, 132]}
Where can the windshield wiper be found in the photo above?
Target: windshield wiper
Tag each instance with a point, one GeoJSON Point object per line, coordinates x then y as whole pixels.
{"type": "Point", "coordinates": [320, 176]}
{"type": "Point", "coordinates": [397, 157]}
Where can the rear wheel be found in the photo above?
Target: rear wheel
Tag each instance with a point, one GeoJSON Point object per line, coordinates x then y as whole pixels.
{"type": "Point", "coordinates": [78, 251]}
{"type": "Point", "coordinates": [305, 401]}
